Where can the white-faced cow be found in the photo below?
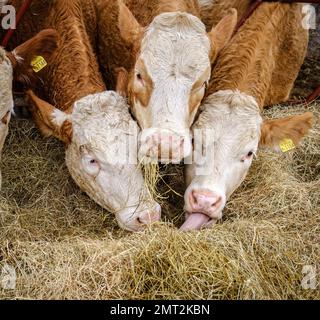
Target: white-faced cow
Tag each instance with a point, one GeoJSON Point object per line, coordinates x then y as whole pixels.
{"type": "Point", "coordinates": [257, 68]}
{"type": "Point", "coordinates": [168, 53]}
{"type": "Point", "coordinates": [93, 123]}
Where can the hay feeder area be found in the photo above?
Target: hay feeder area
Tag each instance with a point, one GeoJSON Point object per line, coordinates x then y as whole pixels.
{"type": "Point", "coordinates": [63, 246]}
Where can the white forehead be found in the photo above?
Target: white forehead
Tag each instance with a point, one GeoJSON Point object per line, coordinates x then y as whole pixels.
{"type": "Point", "coordinates": [176, 43]}
{"type": "Point", "coordinates": [232, 118]}
{"type": "Point", "coordinates": [105, 107]}
{"type": "Point", "coordinates": [6, 73]}
{"type": "Point", "coordinates": [102, 120]}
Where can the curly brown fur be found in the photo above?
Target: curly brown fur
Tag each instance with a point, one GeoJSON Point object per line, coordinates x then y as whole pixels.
{"type": "Point", "coordinates": [265, 56]}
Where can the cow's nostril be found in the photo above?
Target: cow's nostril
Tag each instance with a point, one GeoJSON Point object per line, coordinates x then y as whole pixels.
{"type": "Point", "coordinates": [147, 218]}
{"type": "Point", "coordinates": [216, 202]}
{"type": "Point", "coordinates": [194, 198]}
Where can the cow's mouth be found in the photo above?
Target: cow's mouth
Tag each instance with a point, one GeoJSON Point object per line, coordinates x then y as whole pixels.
{"type": "Point", "coordinates": [197, 221]}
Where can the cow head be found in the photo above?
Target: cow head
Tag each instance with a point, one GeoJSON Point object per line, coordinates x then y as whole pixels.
{"type": "Point", "coordinates": [101, 155]}
{"type": "Point", "coordinates": [173, 65]}
{"type": "Point", "coordinates": [231, 129]}
{"type": "Point", "coordinates": [16, 65]}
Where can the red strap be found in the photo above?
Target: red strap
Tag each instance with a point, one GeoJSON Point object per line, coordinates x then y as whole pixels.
{"type": "Point", "coordinates": [314, 95]}
{"type": "Point", "coordinates": [252, 8]}
{"type": "Point", "coordinates": [25, 6]}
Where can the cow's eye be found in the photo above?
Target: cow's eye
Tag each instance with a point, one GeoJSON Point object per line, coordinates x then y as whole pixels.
{"type": "Point", "coordinates": [91, 165]}
{"type": "Point", "coordinates": [248, 156]}
{"type": "Point", "coordinates": [139, 78]}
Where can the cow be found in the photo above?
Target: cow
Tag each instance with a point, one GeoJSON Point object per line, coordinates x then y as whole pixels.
{"type": "Point", "coordinates": [168, 54]}
{"type": "Point", "coordinates": [74, 106]}
{"type": "Point", "coordinates": [256, 69]}
{"type": "Point", "coordinates": [16, 65]}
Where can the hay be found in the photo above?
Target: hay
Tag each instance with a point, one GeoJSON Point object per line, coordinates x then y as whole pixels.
{"type": "Point", "coordinates": [152, 176]}
{"type": "Point", "coordinates": [64, 246]}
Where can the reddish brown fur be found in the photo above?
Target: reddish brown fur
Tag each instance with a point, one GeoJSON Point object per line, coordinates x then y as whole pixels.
{"type": "Point", "coordinates": [74, 72]}
{"type": "Point", "coordinates": [195, 96]}
{"type": "Point", "coordinates": [265, 56]}
{"type": "Point", "coordinates": [295, 127]}
{"type": "Point", "coordinates": [144, 94]}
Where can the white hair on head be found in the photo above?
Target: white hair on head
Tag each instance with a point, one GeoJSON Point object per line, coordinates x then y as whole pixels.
{"type": "Point", "coordinates": [109, 104]}
{"type": "Point", "coordinates": [100, 118]}
{"type": "Point", "coordinates": [182, 21]}
{"type": "Point", "coordinates": [225, 100]}
{"type": "Point", "coordinates": [179, 25]}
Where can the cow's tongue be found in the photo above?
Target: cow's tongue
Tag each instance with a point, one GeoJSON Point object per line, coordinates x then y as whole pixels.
{"type": "Point", "coordinates": [195, 221]}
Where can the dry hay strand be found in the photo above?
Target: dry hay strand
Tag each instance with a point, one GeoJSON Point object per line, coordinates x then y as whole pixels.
{"type": "Point", "coordinates": [165, 184]}
{"type": "Point", "coordinates": [152, 176]}
{"type": "Point", "coordinates": [63, 246]}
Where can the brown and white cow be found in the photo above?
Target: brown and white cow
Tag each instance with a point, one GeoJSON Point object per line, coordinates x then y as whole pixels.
{"type": "Point", "coordinates": [257, 68]}
{"type": "Point", "coordinates": [93, 123]}
{"type": "Point", "coordinates": [16, 65]}
{"type": "Point", "coordinates": [165, 47]}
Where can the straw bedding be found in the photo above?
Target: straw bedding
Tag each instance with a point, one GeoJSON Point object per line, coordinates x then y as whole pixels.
{"type": "Point", "coordinates": [63, 246]}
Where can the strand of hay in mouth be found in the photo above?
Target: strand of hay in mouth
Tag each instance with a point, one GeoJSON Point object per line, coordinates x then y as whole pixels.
{"type": "Point", "coordinates": [158, 188]}
{"type": "Point", "coordinates": [152, 176]}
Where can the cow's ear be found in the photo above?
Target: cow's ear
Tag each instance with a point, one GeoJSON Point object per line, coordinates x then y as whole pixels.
{"type": "Point", "coordinates": [130, 29]}
{"type": "Point", "coordinates": [51, 121]}
{"type": "Point", "coordinates": [33, 55]}
{"type": "Point", "coordinates": [122, 82]}
{"type": "Point", "coordinates": [221, 34]}
{"type": "Point", "coordinates": [291, 129]}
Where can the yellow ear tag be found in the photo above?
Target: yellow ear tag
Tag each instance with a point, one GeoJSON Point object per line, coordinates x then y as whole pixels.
{"type": "Point", "coordinates": [286, 145]}
{"type": "Point", "coordinates": [38, 63]}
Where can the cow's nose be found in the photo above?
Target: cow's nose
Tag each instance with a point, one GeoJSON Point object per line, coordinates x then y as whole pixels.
{"type": "Point", "coordinates": [149, 216]}
{"type": "Point", "coordinates": [205, 201]}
